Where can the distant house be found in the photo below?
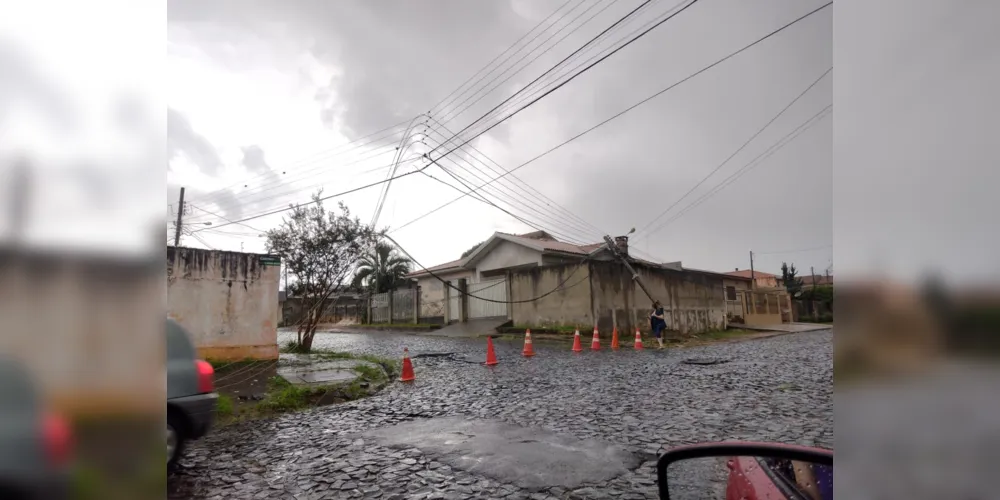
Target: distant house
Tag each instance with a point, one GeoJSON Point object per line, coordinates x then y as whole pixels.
{"type": "Point", "coordinates": [760, 278]}
{"type": "Point", "coordinates": [535, 280]}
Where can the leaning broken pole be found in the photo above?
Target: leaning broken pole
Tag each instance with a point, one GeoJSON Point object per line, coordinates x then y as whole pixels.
{"type": "Point", "coordinates": [635, 276]}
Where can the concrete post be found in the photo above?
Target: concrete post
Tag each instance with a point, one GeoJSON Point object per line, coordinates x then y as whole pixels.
{"type": "Point", "coordinates": [416, 305]}
{"type": "Point", "coordinates": [391, 316]}
{"type": "Point", "coordinates": [371, 299]}
{"type": "Point", "coordinates": [449, 315]}
{"type": "Point", "coordinates": [463, 300]}
{"type": "Point", "coordinates": [510, 296]}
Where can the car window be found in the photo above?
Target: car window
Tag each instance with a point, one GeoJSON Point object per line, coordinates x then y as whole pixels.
{"type": "Point", "coordinates": [16, 387]}
{"type": "Point", "coordinates": [178, 343]}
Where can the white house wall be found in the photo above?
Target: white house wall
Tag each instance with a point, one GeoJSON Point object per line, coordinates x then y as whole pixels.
{"type": "Point", "coordinates": [505, 255]}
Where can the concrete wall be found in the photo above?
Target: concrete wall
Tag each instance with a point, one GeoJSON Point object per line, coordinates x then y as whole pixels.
{"type": "Point", "coordinates": [570, 305]}
{"type": "Point", "coordinates": [89, 329]}
{"type": "Point", "coordinates": [505, 255]}
{"type": "Point", "coordinates": [432, 293]}
{"type": "Point", "coordinates": [693, 302]}
{"type": "Point", "coordinates": [228, 301]}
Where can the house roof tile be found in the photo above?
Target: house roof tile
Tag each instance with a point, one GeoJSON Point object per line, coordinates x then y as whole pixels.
{"type": "Point", "coordinates": [745, 273]}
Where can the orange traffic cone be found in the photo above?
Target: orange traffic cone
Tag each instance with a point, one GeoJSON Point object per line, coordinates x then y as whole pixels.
{"type": "Point", "coordinates": [407, 367]}
{"type": "Point", "coordinates": [595, 344]}
{"type": "Point", "coordinates": [614, 338]}
{"type": "Point", "coordinates": [576, 341]}
{"type": "Point", "coordinates": [638, 339]}
{"type": "Point", "coordinates": [491, 357]}
{"type": "Point", "coordinates": [529, 350]}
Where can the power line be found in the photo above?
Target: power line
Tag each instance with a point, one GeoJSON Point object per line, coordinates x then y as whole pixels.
{"type": "Point", "coordinates": [400, 151]}
{"type": "Point", "coordinates": [528, 203]}
{"type": "Point", "coordinates": [517, 99]}
{"type": "Point", "coordinates": [813, 120]}
{"type": "Point", "coordinates": [504, 52]}
{"type": "Point", "coordinates": [549, 202]}
{"type": "Point", "coordinates": [557, 87]}
{"type": "Point", "coordinates": [620, 20]}
{"type": "Point", "coordinates": [303, 175]}
{"type": "Point", "coordinates": [319, 154]}
{"type": "Point", "coordinates": [324, 198]}
{"type": "Point", "coordinates": [452, 115]}
{"type": "Point", "coordinates": [738, 150]}
{"type": "Point", "coordinates": [483, 199]}
{"type": "Point", "coordinates": [706, 68]}
{"type": "Point", "coordinates": [225, 219]}
{"type": "Point", "coordinates": [283, 194]}
{"type": "Point", "coordinates": [615, 116]}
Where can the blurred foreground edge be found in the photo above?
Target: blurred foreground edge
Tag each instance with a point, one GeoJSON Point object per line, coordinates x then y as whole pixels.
{"type": "Point", "coordinates": [891, 329]}
{"type": "Point", "coordinates": [88, 327]}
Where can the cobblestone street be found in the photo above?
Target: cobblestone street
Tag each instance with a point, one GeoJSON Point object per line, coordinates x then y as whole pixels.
{"type": "Point", "coordinates": [775, 389]}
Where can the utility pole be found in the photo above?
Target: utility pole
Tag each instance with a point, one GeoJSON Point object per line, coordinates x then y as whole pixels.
{"type": "Point", "coordinates": [812, 274]}
{"type": "Point", "coordinates": [180, 220]}
{"type": "Point", "coordinates": [635, 276]}
{"type": "Point", "coordinates": [753, 280]}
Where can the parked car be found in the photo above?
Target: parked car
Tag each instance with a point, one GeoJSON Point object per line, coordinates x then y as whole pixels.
{"type": "Point", "coordinates": [35, 444]}
{"type": "Point", "coordinates": [191, 396]}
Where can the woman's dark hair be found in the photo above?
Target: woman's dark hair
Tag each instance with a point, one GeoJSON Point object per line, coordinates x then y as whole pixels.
{"type": "Point", "coordinates": [656, 304]}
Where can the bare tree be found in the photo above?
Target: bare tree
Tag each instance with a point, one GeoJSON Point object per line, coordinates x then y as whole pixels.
{"type": "Point", "coordinates": [320, 249]}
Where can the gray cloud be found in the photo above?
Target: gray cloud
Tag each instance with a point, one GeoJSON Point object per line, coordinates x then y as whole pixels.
{"type": "Point", "coordinates": [183, 140]}
{"type": "Point", "coordinates": [24, 85]}
{"type": "Point", "coordinates": [397, 59]}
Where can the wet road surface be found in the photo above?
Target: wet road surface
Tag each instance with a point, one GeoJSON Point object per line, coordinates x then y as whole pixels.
{"type": "Point", "coordinates": [775, 389]}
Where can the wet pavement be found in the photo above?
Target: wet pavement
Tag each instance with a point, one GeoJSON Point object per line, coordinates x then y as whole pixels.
{"type": "Point", "coordinates": [774, 389]}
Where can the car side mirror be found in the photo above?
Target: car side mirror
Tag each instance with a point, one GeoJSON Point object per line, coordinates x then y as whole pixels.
{"type": "Point", "coordinates": [739, 470]}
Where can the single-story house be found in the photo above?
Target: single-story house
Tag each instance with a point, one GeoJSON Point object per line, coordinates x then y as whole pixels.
{"type": "Point", "coordinates": [760, 278]}
{"type": "Point", "coordinates": [535, 280]}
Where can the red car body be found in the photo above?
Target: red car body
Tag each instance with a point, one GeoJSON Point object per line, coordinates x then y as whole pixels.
{"type": "Point", "coordinates": [749, 481]}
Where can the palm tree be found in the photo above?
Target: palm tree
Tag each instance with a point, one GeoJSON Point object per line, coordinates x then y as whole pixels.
{"type": "Point", "coordinates": [381, 268]}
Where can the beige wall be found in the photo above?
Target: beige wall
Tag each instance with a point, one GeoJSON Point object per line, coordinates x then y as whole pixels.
{"type": "Point", "coordinates": [569, 306]}
{"type": "Point", "coordinates": [692, 302]}
{"type": "Point", "coordinates": [88, 329]}
{"type": "Point", "coordinates": [432, 293]}
{"type": "Point", "coordinates": [228, 301]}
{"type": "Point", "coordinates": [608, 296]}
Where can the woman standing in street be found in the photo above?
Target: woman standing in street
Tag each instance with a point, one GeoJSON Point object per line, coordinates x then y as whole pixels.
{"type": "Point", "coordinates": [657, 323]}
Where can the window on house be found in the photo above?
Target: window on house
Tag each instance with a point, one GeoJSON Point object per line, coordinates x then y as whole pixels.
{"type": "Point", "coordinates": [730, 293]}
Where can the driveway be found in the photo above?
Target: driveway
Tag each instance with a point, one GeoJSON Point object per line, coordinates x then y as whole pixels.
{"type": "Point", "coordinates": [458, 431]}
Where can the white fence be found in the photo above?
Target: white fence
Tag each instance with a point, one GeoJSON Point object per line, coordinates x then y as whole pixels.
{"type": "Point", "coordinates": [495, 295]}
{"type": "Point", "coordinates": [454, 301]}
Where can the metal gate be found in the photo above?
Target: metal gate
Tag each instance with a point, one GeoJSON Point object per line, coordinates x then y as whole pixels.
{"type": "Point", "coordinates": [495, 305]}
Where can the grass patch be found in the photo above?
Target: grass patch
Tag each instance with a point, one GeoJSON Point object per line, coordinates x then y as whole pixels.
{"type": "Point", "coordinates": [224, 406]}
{"type": "Point", "coordinates": [293, 347]}
{"type": "Point", "coordinates": [282, 396]}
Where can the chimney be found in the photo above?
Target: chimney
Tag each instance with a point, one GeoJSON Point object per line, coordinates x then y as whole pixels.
{"type": "Point", "coordinates": [622, 243]}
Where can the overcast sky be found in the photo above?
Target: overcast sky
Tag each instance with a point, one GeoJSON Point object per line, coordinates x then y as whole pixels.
{"type": "Point", "coordinates": [293, 81]}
